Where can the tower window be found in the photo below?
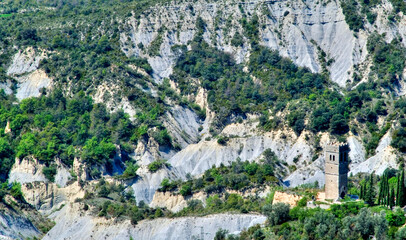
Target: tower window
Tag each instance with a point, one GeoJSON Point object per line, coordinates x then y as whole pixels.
{"type": "Point", "coordinates": [334, 157]}
{"type": "Point", "coordinates": [330, 157]}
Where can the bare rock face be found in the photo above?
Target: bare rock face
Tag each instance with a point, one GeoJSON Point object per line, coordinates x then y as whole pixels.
{"type": "Point", "coordinates": [14, 225]}
{"type": "Point", "coordinates": [24, 69]}
{"type": "Point", "coordinates": [247, 145]}
{"type": "Point", "coordinates": [25, 61]}
{"type": "Point", "coordinates": [39, 191]}
{"type": "Point", "coordinates": [104, 94]}
{"type": "Point", "coordinates": [297, 29]}
{"type": "Point", "coordinates": [7, 129]}
{"type": "Point", "coordinates": [70, 224]}
{"type": "Point", "coordinates": [29, 85]}
{"type": "Point", "coordinates": [282, 197]}
{"type": "Point", "coordinates": [385, 157]}
{"type": "Point", "coordinates": [175, 203]}
{"type": "Point", "coordinates": [26, 170]}
{"type": "Point", "coordinates": [183, 124]}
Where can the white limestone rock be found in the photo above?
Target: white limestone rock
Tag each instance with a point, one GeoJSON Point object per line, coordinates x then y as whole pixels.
{"type": "Point", "coordinates": [29, 85]}
{"type": "Point", "coordinates": [70, 224]}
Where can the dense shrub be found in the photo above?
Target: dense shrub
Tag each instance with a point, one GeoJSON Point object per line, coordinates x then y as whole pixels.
{"type": "Point", "coordinates": [276, 213]}
{"type": "Point", "coordinates": [50, 172]}
{"type": "Point", "coordinates": [352, 16]}
{"type": "Point", "coordinates": [158, 164]}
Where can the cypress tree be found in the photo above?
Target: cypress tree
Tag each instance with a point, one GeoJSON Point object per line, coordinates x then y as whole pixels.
{"type": "Point", "coordinates": [387, 189]}
{"type": "Point", "coordinates": [402, 196]}
{"type": "Point", "coordinates": [383, 196]}
{"type": "Point", "coordinates": [398, 191]}
{"type": "Point", "coordinates": [370, 192]}
{"type": "Point", "coordinates": [361, 191]}
{"type": "Point", "coordinates": [392, 198]}
{"type": "Point", "coordinates": [381, 190]}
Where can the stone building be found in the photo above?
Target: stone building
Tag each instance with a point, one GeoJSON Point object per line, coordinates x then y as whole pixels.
{"type": "Point", "coordinates": [336, 171]}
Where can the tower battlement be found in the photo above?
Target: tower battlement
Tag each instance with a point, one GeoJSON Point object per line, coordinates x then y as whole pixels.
{"type": "Point", "coordinates": [337, 147]}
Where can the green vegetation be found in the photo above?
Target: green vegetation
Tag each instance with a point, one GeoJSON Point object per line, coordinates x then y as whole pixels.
{"type": "Point", "coordinates": [49, 127]}
{"type": "Point", "coordinates": [49, 172]}
{"type": "Point", "coordinates": [388, 59]}
{"type": "Point", "coordinates": [399, 135]}
{"type": "Point", "coordinates": [357, 11]}
{"type": "Point", "coordinates": [392, 189]}
{"type": "Point", "coordinates": [349, 220]}
{"type": "Point", "coordinates": [154, 47]}
{"type": "Point", "coordinates": [218, 204]}
{"type": "Point", "coordinates": [399, 5]}
{"type": "Point", "coordinates": [239, 176]}
{"type": "Point", "coordinates": [352, 15]}
{"type": "Point", "coordinates": [130, 171]}
{"type": "Point", "coordinates": [66, 123]}
{"type": "Point", "coordinates": [12, 200]}
{"type": "Point", "coordinates": [158, 164]}
{"type": "Point", "coordinates": [112, 200]}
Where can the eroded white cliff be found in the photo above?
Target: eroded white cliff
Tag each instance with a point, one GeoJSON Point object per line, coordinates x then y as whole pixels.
{"type": "Point", "coordinates": [71, 224]}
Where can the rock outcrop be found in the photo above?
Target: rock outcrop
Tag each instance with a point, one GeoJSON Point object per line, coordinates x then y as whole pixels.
{"type": "Point", "coordinates": [299, 30]}
{"type": "Point", "coordinates": [282, 197]}
{"type": "Point", "coordinates": [16, 226]}
{"type": "Point", "coordinates": [71, 224]}
{"type": "Point", "coordinates": [24, 69]}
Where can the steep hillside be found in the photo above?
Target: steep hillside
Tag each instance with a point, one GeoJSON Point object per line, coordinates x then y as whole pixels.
{"type": "Point", "coordinates": [181, 96]}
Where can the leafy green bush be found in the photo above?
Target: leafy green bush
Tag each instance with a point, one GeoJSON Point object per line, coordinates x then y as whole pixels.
{"type": "Point", "coordinates": [130, 171]}
{"type": "Point", "coordinates": [276, 213]}
{"type": "Point", "coordinates": [222, 140]}
{"type": "Point", "coordinates": [158, 164]}
{"type": "Point", "coordinates": [186, 190]}
{"type": "Point", "coordinates": [16, 192]}
{"type": "Point", "coordinates": [396, 218]}
{"type": "Point", "coordinates": [97, 152]}
{"type": "Point", "coordinates": [50, 172]}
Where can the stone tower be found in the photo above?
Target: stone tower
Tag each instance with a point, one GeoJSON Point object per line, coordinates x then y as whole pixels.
{"type": "Point", "coordinates": [336, 170]}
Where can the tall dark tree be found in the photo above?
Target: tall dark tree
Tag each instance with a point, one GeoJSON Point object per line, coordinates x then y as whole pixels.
{"type": "Point", "coordinates": [398, 191]}
{"type": "Point", "coordinates": [383, 196]}
{"type": "Point", "coordinates": [370, 192]}
{"type": "Point", "coordinates": [391, 202]}
{"type": "Point", "coordinates": [402, 195]}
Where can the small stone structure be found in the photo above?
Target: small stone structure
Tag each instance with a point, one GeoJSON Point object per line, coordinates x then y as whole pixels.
{"type": "Point", "coordinates": [336, 170]}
